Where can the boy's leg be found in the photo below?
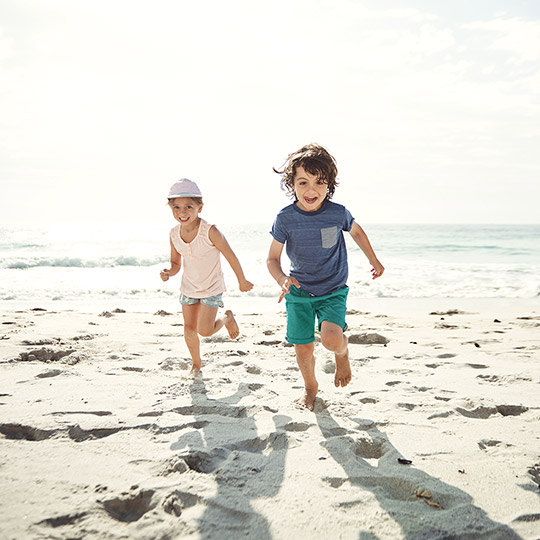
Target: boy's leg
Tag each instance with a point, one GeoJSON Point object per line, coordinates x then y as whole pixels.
{"type": "Point", "coordinates": [333, 338]}
{"type": "Point", "coordinates": [208, 324]}
{"type": "Point", "coordinates": [301, 332]}
{"type": "Point", "coordinates": [191, 319]}
{"type": "Point", "coordinates": [306, 363]}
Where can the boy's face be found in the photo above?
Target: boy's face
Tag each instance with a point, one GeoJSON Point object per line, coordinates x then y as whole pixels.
{"type": "Point", "coordinates": [185, 210]}
{"type": "Point", "coordinates": [310, 190]}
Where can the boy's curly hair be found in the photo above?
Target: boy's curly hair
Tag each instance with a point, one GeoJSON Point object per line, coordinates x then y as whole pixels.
{"type": "Point", "coordinates": [315, 160]}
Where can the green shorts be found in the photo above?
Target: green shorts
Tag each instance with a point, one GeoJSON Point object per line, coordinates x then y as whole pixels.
{"type": "Point", "coordinates": [302, 308]}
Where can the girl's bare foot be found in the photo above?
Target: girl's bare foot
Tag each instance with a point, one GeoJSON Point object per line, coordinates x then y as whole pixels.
{"type": "Point", "coordinates": [231, 325]}
{"type": "Point", "coordinates": [343, 370]}
{"type": "Point", "coordinates": [308, 399]}
{"type": "Point", "coordinates": [195, 370]}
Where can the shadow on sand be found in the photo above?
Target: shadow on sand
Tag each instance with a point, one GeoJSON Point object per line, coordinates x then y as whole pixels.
{"type": "Point", "coordinates": [241, 469]}
{"type": "Point", "coordinates": [369, 462]}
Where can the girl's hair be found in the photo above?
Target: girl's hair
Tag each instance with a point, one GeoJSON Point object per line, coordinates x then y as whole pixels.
{"type": "Point", "coordinates": [196, 200]}
{"type": "Point", "coordinates": [315, 160]}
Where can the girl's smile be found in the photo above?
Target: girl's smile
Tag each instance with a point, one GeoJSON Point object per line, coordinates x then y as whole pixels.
{"type": "Point", "coordinates": [310, 190]}
{"type": "Point", "coordinates": [185, 211]}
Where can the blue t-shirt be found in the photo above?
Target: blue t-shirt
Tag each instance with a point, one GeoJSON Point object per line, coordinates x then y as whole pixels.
{"type": "Point", "coordinates": [315, 245]}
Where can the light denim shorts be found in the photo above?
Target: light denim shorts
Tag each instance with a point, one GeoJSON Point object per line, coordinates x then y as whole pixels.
{"type": "Point", "coordinates": [211, 301]}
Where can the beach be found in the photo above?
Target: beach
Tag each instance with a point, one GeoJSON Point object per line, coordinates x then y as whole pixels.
{"type": "Point", "coordinates": [104, 435]}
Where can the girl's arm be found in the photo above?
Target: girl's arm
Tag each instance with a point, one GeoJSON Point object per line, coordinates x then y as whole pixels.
{"type": "Point", "coordinates": [176, 264]}
{"type": "Point", "coordinates": [217, 238]}
{"type": "Point", "coordinates": [273, 262]}
{"type": "Point", "coordinates": [361, 239]}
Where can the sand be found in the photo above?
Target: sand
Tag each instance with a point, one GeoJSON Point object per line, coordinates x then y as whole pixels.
{"type": "Point", "coordinates": [103, 435]}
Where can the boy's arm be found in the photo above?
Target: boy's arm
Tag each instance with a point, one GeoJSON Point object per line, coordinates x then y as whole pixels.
{"type": "Point", "coordinates": [217, 238]}
{"type": "Point", "coordinates": [176, 263]}
{"type": "Point", "coordinates": [273, 262]}
{"type": "Point", "coordinates": [361, 239]}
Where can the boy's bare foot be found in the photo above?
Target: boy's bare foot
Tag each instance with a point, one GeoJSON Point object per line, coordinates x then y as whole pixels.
{"type": "Point", "coordinates": [343, 370]}
{"type": "Point", "coordinates": [231, 325]}
{"type": "Point", "coordinates": [308, 399]}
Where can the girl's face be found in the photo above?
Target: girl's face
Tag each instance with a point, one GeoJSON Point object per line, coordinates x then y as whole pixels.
{"type": "Point", "coordinates": [310, 190]}
{"type": "Point", "coordinates": [185, 210]}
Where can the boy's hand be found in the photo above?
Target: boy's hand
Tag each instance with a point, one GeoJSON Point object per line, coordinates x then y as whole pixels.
{"type": "Point", "coordinates": [377, 270]}
{"type": "Point", "coordinates": [287, 282]}
{"type": "Point", "coordinates": [165, 274]}
{"type": "Point", "coordinates": [245, 285]}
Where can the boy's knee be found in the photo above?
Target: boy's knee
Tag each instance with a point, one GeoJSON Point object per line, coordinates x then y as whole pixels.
{"type": "Point", "coordinates": [330, 343]}
{"type": "Point", "coordinates": [332, 340]}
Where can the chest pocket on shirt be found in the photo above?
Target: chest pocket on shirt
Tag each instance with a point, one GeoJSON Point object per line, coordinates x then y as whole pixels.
{"type": "Point", "coordinates": [329, 237]}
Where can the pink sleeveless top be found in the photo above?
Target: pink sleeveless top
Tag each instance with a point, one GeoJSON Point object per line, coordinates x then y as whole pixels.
{"type": "Point", "coordinates": [201, 265]}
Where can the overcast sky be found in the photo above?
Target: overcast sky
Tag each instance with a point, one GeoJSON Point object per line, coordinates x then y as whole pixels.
{"type": "Point", "coordinates": [431, 107]}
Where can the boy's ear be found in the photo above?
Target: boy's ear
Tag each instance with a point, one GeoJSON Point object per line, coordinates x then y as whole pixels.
{"type": "Point", "coordinates": [200, 208]}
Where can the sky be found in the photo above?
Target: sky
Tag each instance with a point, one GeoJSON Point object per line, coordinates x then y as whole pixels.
{"type": "Point", "coordinates": [431, 108]}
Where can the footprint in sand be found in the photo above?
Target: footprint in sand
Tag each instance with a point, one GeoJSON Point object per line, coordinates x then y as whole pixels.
{"type": "Point", "coordinates": [219, 339]}
{"type": "Point", "coordinates": [45, 355]}
{"type": "Point", "coordinates": [482, 412]}
{"type": "Point", "coordinates": [329, 366]}
{"type": "Point", "coordinates": [28, 433]}
{"type": "Point", "coordinates": [297, 426]}
{"type": "Point", "coordinates": [130, 506]}
{"type": "Point", "coordinates": [235, 353]}
{"type": "Point", "coordinates": [63, 520]}
{"type": "Point", "coordinates": [269, 343]}
{"type": "Point", "coordinates": [436, 365]}
{"type": "Point", "coordinates": [485, 444]}
{"type": "Point", "coordinates": [368, 339]}
{"type": "Point", "coordinates": [534, 473]}
{"type": "Point", "coordinates": [173, 465]}
{"type": "Point", "coordinates": [253, 370]}
{"type": "Point", "coordinates": [49, 373]}
{"type": "Point", "coordinates": [407, 406]}
{"type": "Point", "coordinates": [235, 363]}
{"type": "Point", "coordinates": [489, 378]}
{"type": "Point", "coordinates": [477, 366]}
{"type": "Point", "coordinates": [176, 502]}
{"type": "Point", "coordinates": [365, 400]}
{"type": "Point", "coordinates": [40, 342]}
{"type": "Point", "coordinates": [175, 363]}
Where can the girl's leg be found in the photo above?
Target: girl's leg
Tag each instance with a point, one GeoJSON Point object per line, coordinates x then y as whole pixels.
{"type": "Point", "coordinates": [191, 320]}
{"type": "Point", "coordinates": [208, 323]}
{"type": "Point", "coordinates": [333, 338]}
{"type": "Point", "coordinates": [306, 363]}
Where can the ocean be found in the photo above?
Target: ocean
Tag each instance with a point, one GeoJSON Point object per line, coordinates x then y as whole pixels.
{"type": "Point", "coordinates": [119, 262]}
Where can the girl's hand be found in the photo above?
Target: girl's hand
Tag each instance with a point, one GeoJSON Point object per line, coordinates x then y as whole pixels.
{"type": "Point", "coordinates": [165, 274]}
{"type": "Point", "coordinates": [245, 285]}
{"type": "Point", "coordinates": [287, 282]}
{"type": "Point", "coordinates": [377, 270]}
